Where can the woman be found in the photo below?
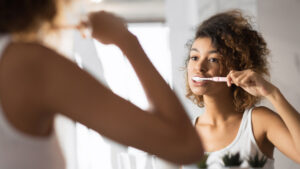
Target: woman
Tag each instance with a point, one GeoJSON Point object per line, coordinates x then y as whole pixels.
{"type": "Point", "coordinates": [226, 45]}
{"type": "Point", "coordinates": [36, 83]}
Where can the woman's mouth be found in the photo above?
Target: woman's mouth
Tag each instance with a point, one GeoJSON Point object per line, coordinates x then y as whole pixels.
{"type": "Point", "coordinates": [197, 81]}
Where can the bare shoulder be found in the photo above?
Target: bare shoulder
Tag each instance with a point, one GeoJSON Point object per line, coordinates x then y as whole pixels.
{"type": "Point", "coordinates": [26, 72]}
{"type": "Point", "coordinates": [263, 112]}
{"type": "Point", "coordinates": [32, 60]}
{"type": "Point", "coordinates": [21, 61]}
{"type": "Point", "coordinates": [264, 116]}
{"type": "Point", "coordinates": [22, 68]}
{"type": "Point", "coordinates": [23, 74]}
{"type": "Point", "coordinates": [25, 65]}
{"type": "Point", "coordinates": [29, 53]}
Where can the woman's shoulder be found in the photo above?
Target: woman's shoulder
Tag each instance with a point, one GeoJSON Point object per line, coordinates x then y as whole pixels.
{"type": "Point", "coordinates": [263, 112]}
{"type": "Point", "coordinates": [29, 63]}
{"type": "Point", "coordinates": [32, 56]}
{"type": "Point", "coordinates": [263, 116]}
{"type": "Point", "coordinates": [29, 50]}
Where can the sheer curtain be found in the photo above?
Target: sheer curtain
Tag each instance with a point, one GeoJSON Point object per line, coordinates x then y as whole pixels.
{"type": "Point", "coordinates": [95, 151]}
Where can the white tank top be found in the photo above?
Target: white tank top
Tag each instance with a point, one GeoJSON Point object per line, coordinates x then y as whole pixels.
{"type": "Point", "coordinates": [21, 151]}
{"type": "Point", "coordinates": [244, 143]}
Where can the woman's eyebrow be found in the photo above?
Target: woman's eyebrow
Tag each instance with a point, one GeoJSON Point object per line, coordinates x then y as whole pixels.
{"type": "Point", "coordinates": [194, 49]}
{"type": "Point", "coordinates": [209, 52]}
{"type": "Point", "coordinates": [212, 51]}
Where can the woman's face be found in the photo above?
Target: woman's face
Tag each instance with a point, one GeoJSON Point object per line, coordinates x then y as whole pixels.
{"type": "Point", "coordinates": [204, 61]}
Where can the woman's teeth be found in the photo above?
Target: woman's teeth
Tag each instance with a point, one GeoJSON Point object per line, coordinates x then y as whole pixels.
{"type": "Point", "coordinates": [197, 79]}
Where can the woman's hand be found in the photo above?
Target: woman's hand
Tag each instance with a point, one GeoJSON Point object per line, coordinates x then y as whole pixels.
{"type": "Point", "coordinates": [108, 28]}
{"type": "Point", "coordinates": [251, 82]}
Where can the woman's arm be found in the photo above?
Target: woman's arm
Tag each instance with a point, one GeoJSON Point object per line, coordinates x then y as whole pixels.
{"type": "Point", "coordinates": [165, 131]}
{"type": "Point", "coordinates": [37, 82]}
{"type": "Point", "coordinates": [110, 29]}
{"type": "Point", "coordinates": [283, 130]}
{"type": "Point", "coordinates": [287, 134]}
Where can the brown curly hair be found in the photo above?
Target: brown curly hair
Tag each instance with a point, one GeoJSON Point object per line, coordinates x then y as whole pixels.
{"type": "Point", "coordinates": [27, 15]}
{"type": "Point", "coordinates": [240, 46]}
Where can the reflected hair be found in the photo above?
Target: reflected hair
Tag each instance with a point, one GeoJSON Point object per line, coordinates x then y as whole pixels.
{"type": "Point", "coordinates": [240, 46]}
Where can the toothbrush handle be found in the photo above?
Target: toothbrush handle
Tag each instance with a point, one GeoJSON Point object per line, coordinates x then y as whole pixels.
{"type": "Point", "coordinates": [220, 79]}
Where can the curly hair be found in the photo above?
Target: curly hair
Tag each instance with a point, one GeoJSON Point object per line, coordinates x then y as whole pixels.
{"type": "Point", "coordinates": [240, 46]}
{"type": "Point", "coordinates": [26, 15]}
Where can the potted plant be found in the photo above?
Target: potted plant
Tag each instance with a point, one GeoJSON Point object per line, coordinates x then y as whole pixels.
{"type": "Point", "coordinates": [232, 160]}
{"type": "Point", "coordinates": [256, 161]}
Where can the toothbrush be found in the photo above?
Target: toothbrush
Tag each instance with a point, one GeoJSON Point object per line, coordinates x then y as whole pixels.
{"type": "Point", "coordinates": [216, 79]}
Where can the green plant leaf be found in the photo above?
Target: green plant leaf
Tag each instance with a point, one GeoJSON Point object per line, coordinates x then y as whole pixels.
{"type": "Point", "coordinates": [256, 161]}
{"type": "Point", "coordinates": [232, 159]}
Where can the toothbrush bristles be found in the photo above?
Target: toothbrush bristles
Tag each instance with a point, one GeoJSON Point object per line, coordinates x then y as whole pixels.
{"type": "Point", "coordinates": [216, 79]}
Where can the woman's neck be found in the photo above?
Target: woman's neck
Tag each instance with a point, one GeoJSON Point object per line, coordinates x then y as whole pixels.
{"type": "Point", "coordinates": [219, 109]}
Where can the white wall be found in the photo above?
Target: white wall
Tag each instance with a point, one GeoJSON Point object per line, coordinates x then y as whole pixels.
{"type": "Point", "coordinates": [181, 17]}
{"type": "Point", "coordinates": [280, 25]}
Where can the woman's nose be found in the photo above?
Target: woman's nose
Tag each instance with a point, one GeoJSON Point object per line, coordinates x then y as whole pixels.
{"type": "Point", "coordinates": [201, 66]}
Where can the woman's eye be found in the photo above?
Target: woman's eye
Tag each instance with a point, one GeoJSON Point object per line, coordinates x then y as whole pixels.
{"type": "Point", "coordinates": [194, 58]}
{"type": "Point", "coordinates": [215, 60]}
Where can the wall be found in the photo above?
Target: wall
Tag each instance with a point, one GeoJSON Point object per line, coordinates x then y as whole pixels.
{"type": "Point", "coordinates": [279, 23]}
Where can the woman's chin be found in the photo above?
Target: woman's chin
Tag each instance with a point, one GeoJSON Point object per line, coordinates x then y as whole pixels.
{"type": "Point", "coordinates": [198, 92]}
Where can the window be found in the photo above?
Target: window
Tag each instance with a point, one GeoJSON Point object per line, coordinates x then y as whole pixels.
{"type": "Point", "coordinates": [95, 151]}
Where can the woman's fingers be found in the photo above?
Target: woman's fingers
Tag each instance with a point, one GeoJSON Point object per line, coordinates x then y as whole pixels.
{"type": "Point", "coordinates": [251, 82]}
{"type": "Point", "coordinates": [232, 77]}
{"type": "Point", "coordinates": [107, 27]}
{"type": "Point", "coordinates": [229, 79]}
{"type": "Point", "coordinates": [241, 78]}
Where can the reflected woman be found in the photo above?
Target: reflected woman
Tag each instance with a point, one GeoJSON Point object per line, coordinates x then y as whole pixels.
{"type": "Point", "coordinates": [226, 45]}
